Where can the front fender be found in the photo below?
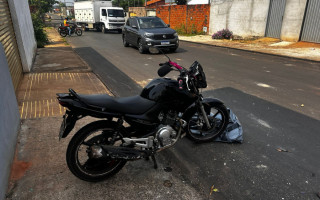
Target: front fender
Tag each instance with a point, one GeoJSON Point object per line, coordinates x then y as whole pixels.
{"type": "Point", "coordinates": [207, 103]}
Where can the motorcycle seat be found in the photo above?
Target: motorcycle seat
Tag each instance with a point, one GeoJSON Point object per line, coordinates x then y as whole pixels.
{"type": "Point", "coordinates": [127, 105]}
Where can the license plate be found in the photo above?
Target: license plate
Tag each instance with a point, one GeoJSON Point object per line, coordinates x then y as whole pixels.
{"type": "Point", "coordinates": [165, 42]}
{"type": "Point", "coordinates": [63, 126]}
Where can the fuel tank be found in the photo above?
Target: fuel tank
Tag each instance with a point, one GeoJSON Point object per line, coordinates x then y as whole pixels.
{"type": "Point", "coordinates": [166, 91]}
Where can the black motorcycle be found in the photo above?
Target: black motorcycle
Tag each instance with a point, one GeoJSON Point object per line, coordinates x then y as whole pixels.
{"type": "Point", "coordinates": [139, 126]}
{"type": "Point", "coordinates": [63, 30]}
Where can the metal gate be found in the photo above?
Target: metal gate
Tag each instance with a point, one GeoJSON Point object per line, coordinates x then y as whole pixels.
{"type": "Point", "coordinates": [275, 17]}
{"type": "Point", "coordinates": [9, 43]}
{"type": "Point", "coordinates": [311, 26]}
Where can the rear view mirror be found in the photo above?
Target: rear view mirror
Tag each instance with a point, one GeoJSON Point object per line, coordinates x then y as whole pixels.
{"type": "Point", "coordinates": [164, 70]}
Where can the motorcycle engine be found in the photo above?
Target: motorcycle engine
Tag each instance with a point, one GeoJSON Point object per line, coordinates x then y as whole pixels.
{"type": "Point", "coordinates": [166, 134]}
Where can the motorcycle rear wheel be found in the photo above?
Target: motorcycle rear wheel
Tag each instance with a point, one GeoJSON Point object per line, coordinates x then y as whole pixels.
{"type": "Point", "coordinates": [218, 118]}
{"type": "Point", "coordinates": [78, 159]}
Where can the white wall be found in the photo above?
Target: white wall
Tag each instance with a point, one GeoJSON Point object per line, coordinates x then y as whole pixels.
{"type": "Point", "coordinates": [22, 23]}
{"type": "Point", "coordinates": [292, 20]}
{"type": "Point", "coordinates": [9, 123]}
{"type": "Point", "coordinates": [242, 17]}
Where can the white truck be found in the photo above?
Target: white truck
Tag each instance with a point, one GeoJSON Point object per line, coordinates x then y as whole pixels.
{"type": "Point", "coordinates": [99, 15]}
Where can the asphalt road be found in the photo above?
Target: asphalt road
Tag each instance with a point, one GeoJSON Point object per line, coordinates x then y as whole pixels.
{"type": "Point", "coordinates": [277, 102]}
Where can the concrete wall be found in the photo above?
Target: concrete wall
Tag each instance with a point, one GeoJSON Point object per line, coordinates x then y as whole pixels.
{"type": "Point", "coordinates": [9, 122]}
{"type": "Point", "coordinates": [242, 17]}
{"type": "Point", "coordinates": [292, 20]}
{"type": "Point", "coordinates": [23, 28]}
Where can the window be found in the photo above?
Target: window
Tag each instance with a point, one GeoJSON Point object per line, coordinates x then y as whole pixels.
{"type": "Point", "coordinates": [151, 23]}
{"type": "Point", "coordinates": [134, 22]}
{"type": "Point", "coordinates": [115, 13]}
{"type": "Point", "coordinates": [103, 12]}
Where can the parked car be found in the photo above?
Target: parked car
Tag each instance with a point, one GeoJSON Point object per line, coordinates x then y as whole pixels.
{"type": "Point", "coordinates": [144, 32]}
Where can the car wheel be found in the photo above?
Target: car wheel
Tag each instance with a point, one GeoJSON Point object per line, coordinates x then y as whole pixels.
{"type": "Point", "coordinates": [124, 40]}
{"type": "Point", "coordinates": [103, 29]}
{"type": "Point", "coordinates": [141, 47]}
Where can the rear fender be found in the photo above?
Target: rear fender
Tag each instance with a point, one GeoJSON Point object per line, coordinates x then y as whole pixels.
{"type": "Point", "coordinates": [68, 123]}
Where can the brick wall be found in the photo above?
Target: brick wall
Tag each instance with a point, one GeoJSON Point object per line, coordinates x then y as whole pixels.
{"type": "Point", "coordinates": [137, 11]}
{"type": "Point", "coordinates": [185, 18]}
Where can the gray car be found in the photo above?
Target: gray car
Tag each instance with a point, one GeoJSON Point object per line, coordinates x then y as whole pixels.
{"type": "Point", "coordinates": [144, 32]}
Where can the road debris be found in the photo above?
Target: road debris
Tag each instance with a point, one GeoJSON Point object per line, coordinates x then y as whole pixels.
{"type": "Point", "coordinates": [282, 150]}
{"type": "Point", "coordinates": [213, 189]}
{"type": "Point", "coordinates": [167, 169]}
{"type": "Point", "coordinates": [167, 183]}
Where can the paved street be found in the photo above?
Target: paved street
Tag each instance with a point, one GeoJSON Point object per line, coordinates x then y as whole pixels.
{"type": "Point", "coordinates": [276, 99]}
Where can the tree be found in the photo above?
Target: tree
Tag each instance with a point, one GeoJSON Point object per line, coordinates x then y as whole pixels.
{"type": "Point", "coordinates": [43, 6]}
{"type": "Point", "coordinates": [181, 2]}
{"type": "Point", "coordinates": [128, 3]}
{"type": "Point", "coordinates": [38, 9]}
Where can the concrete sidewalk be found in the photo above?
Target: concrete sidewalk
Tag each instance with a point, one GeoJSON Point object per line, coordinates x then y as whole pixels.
{"type": "Point", "coordinates": [299, 50]}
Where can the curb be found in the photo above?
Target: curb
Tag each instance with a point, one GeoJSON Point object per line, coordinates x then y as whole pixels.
{"type": "Point", "coordinates": [252, 51]}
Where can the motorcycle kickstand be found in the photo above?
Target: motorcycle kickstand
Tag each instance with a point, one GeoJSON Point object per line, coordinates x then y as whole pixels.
{"type": "Point", "coordinates": [155, 165]}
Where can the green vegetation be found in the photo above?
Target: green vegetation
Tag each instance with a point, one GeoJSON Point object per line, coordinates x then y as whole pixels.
{"type": "Point", "coordinates": [131, 3]}
{"type": "Point", "coordinates": [190, 31]}
{"type": "Point", "coordinates": [38, 8]}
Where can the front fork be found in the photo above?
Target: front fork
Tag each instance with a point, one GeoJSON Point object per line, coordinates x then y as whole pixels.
{"type": "Point", "coordinates": [204, 114]}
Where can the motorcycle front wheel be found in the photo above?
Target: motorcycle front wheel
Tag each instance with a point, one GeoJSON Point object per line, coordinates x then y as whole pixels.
{"type": "Point", "coordinates": [218, 118]}
{"type": "Point", "coordinates": [63, 33]}
{"type": "Point", "coordinates": [79, 161]}
{"type": "Point", "coordinates": [79, 32]}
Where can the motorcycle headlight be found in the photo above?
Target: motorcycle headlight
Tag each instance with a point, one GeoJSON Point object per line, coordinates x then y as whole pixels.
{"type": "Point", "coordinates": [148, 35]}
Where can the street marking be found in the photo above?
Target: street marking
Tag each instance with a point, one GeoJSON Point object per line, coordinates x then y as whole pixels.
{"type": "Point", "coordinates": [94, 85]}
{"type": "Point", "coordinates": [30, 110]}
{"type": "Point", "coordinates": [32, 105]}
{"type": "Point", "coordinates": [30, 85]}
{"type": "Point", "coordinates": [48, 108]}
{"type": "Point", "coordinates": [26, 111]}
{"type": "Point", "coordinates": [35, 109]}
{"type": "Point", "coordinates": [52, 108]}
{"type": "Point", "coordinates": [44, 110]}
{"type": "Point", "coordinates": [22, 110]}
{"type": "Point", "coordinates": [39, 109]}
{"type": "Point", "coordinates": [60, 109]}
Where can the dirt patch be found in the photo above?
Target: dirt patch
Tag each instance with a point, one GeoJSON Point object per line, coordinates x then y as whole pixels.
{"type": "Point", "coordinates": [304, 45]}
{"type": "Point", "coordinates": [19, 168]}
{"type": "Point", "coordinates": [55, 40]}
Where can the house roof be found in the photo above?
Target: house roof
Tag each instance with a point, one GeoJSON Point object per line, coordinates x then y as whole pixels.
{"type": "Point", "coordinates": [153, 1]}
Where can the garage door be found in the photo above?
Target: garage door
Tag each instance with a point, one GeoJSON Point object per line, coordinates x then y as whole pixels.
{"type": "Point", "coordinates": [275, 17]}
{"type": "Point", "coordinates": [311, 26]}
{"type": "Point", "coordinates": [8, 41]}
